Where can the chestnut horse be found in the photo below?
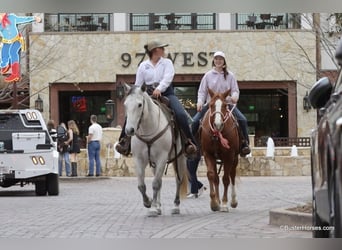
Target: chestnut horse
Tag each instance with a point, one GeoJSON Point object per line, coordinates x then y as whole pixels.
{"type": "Point", "coordinates": [219, 138]}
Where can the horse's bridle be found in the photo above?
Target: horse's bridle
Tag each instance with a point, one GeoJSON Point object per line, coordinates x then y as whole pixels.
{"type": "Point", "coordinates": [224, 117]}
{"type": "Point", "coordinates": [149, 142]}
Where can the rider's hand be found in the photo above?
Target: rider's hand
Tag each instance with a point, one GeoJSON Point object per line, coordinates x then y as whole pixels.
{"type": "Point", "coordinates": [156, 93]}
{"type": "Point", "coordinates": [199, 107]}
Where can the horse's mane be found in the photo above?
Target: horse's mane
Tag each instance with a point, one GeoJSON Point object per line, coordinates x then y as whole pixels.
{"type": "Point", "coordinates": [134, 90]}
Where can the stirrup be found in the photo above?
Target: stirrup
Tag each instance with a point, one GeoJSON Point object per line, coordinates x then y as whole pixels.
{"type": "Point", "coordinates": [190, 149]}
{"type": "Point", "coordinates": [245, 150]}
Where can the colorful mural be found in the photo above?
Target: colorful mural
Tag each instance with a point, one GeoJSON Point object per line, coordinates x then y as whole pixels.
{"type": "Point", "coordinates": [12, 43]}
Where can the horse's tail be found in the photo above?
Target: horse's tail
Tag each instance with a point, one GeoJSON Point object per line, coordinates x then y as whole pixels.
{"type": "Point", "coordinates": [182, 175]}
{"type": "Point", "coordinates": [184, 184]}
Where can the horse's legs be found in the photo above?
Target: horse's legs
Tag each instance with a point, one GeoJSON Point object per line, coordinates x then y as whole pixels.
{"type": "Point", "coordinates": [213, 179]}
{"type": "Point", "coordinates": [225, 181]}
{"type": "Point", "coordinates": [140, 171]}
{"type": "Point", "coordinates": [234, 201]}
{"type": "Point", "coordinates": [155, 209]}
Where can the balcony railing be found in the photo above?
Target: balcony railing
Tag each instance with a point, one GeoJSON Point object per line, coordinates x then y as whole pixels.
{"type": "Point", "coordinates": [262, 21]}
{"type": "Point", "coordinates": [77, 22]}
{"type": "Point", "coordinates": [172, 21]}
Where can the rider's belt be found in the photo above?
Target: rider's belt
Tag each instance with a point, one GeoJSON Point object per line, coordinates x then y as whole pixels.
{"type": "Point", "coordinates": [155, 84]}
{"type": "Point", "coordinates": [19, 38]}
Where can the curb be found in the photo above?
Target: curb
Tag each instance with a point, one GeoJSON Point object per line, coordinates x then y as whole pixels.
{"type": "Point", "coordinates": [82, 178]}
{"type": "Point", "coordinates": [284, 217]}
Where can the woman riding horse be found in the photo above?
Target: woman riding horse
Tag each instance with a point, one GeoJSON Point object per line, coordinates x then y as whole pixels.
{"type": "Point", "coordinates": [218, 79]}
{"type": "Point", "coordinates": [220, 140]}
{"type": "Point", "coordinates": [158, 73]}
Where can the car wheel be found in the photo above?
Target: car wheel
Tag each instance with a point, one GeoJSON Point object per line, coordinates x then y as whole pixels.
{"type": "Point", "coordinates": [52, 184]}
{"type": "Point", "coordinates": [318, 223]}
{"type": "Point", "coordinates": [41, 188]}
{"type": "Point", "coordinates": [337, 220]}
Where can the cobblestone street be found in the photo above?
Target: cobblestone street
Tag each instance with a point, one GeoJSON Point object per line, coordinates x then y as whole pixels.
{"type": "Point", "coordinates": [108, 208]}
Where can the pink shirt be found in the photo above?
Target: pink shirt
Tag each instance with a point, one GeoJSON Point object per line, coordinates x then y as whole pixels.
{"type": "Point", "coordinates": [216, 82]}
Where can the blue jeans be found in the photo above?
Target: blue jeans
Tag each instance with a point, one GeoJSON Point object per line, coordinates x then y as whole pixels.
{"type": "Point", "coordinates": [180, 114]}
{"type": "Point", "coordinates": [192, 165]}
{"type": "Point", "coordinates": [94, 157]}
{"type": "Point", "coordinates": [64, 157]}
{"type": "Point", "coordinates": [236, 112]}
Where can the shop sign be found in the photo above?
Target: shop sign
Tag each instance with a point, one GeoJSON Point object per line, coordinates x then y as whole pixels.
{"type": "Point", "coordinates": [185, 59]}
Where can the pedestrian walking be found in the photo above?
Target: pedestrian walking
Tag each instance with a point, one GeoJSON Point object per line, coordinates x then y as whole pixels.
{"type": "Point", "coordinates": [196, 187]}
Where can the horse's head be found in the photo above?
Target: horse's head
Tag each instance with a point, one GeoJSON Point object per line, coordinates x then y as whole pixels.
{"type": "Point", "coordinates": [218, 109]}
{"type": "Point", "coordinates": [134, 106]}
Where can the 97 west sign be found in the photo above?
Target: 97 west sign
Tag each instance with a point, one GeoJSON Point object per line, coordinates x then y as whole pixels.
{"type": "Point", "coordinates": [187, 59]}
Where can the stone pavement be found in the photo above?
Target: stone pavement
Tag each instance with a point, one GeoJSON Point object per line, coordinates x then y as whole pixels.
{"type": "Point", "coordinates": [110, 208]}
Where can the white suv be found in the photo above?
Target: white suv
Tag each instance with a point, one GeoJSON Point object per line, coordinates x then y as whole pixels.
{"type": "Point", "coordinates": [27, 152]}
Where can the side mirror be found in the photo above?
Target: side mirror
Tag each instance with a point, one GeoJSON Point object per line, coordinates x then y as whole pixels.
{"type": "Point", "coordinates": [320, 93]}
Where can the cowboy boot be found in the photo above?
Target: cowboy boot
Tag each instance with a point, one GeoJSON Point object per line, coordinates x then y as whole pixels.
{"type": "Point", "coordinates": [5, 69]}
{"type": "Point", "coordinates": [245, 150]}
{"type": "Point", "coordinates": [74, 169]}
{"type": "Point", "coordinates": [124, 145]}
{"type": "Point", "coordinates": [15, 76]}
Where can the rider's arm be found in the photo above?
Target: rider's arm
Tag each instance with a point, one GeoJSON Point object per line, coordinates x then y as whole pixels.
{"type": "Point", "coordinates": [167, 75]}
{"type": "Point", "coordinates": [202, 92]}
{"type": "Point", "coordinates": [235, 92]}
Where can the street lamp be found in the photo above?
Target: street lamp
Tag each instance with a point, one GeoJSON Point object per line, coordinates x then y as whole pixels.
{"type": "Point", "coordinates": [110, 112]}
{"type": "Point", "coordinates": [38, 104]}
{"type": "Point", "coordinates": [120, 91]}
{"type": "Point", "coordinates": [306, 102]}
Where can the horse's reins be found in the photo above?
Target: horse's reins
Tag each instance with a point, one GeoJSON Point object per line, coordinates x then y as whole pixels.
{"type": "Point", "coordinates": [217, 133]}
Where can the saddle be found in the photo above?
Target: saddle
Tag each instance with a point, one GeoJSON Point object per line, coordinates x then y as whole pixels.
{"type": "Point", "coordinates": [164, 104]}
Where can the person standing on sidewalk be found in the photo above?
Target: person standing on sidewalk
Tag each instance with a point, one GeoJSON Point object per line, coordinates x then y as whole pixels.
{"type": "Point", "coordinates": [73, 141]}
{"type": "Point", "coordinates": [93, 140]}
{"type": "Point", "coordinates": [62, 137]}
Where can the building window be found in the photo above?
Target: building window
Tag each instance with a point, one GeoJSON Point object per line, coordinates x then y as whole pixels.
{"type": "Point", "coordinates": [262, 21]}
{"type": "Point", "coordinates": [79, 106]}
{"type": "Point", "coordinates": [172, 21]}
{"type": "Point", "coordinates": [266, 111]}
{"type": "Point", "coordinates": [77, 22]}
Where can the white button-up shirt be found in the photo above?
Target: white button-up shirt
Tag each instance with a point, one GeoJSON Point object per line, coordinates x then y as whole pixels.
{"type": "Point", "coordinates": [162, 73]}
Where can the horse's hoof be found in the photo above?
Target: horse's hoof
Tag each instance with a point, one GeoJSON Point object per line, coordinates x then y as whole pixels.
{"type": "Point", "coordinates": [224, 209]}
{"type": "Point", "coordinates": [148, 203]}
{"type": "Point", "coordinates": [159, 211]}
{"type": "Point", "coordinates": [214, 206]}
{"type": "Point", "coordinates": [233, 204]}
{"type": "Point", "coordinates": [175, 210]}
{"type": "Point", "coordinates": [153, 212]}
